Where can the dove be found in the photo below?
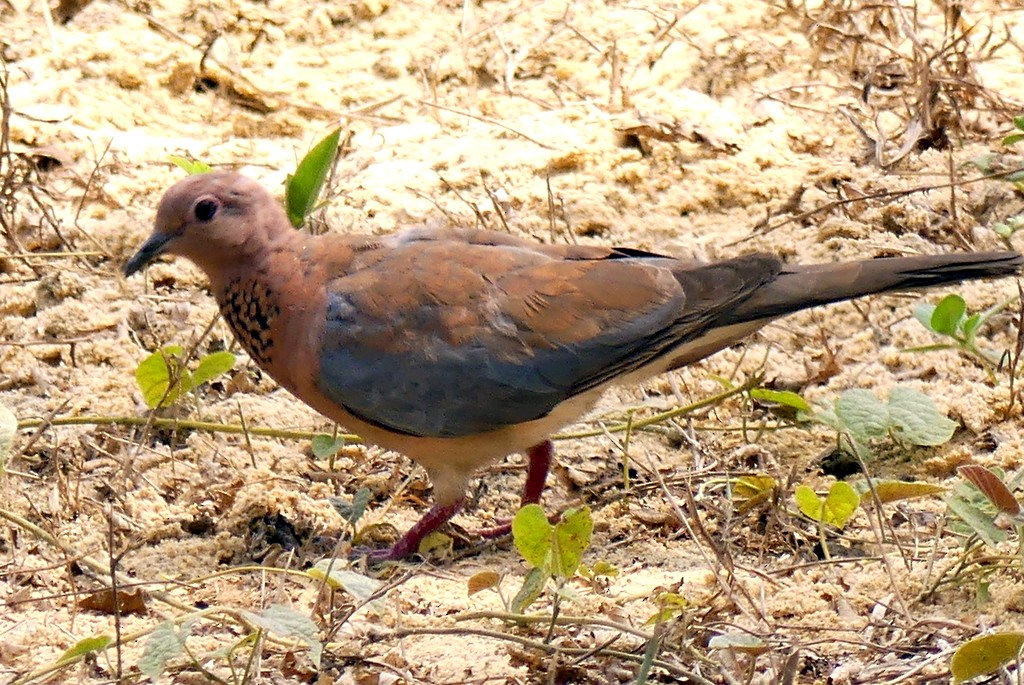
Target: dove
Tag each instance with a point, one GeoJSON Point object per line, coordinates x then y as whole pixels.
{"type": "Point", "coordinates": [457, 347]}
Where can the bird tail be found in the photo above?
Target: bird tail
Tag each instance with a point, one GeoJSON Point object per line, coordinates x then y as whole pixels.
{"type": "Point", "coordinates": [800, 287]}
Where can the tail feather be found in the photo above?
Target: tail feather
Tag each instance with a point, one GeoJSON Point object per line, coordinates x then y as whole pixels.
{"type": "Point", "coordinates": [800, 287]}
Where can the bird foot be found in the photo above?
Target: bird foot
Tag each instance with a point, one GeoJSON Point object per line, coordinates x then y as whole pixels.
{"type": "Point", "coordinates": [502, 529]}
{"type": "Point", "coordinates": [409, 544]}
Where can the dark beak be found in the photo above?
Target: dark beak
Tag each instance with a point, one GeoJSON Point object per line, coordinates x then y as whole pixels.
{"type": "Point", "coordinates": [150, 250]}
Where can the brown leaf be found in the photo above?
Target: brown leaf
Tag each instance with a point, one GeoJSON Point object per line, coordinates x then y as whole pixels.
{"type": "Point", "coordinates": [992, 487]}
{"type": "Point", "coordinates": [129, 602]}
{"type": "Point", "coordinates": [483, 580]}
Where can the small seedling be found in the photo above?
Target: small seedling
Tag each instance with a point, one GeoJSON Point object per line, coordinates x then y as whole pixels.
{"type": "Point", "coordinates": [166, 642]}
{"type": "Point", "coordinates": [360, 587]}
{"type": "Point", "coordinates": [163, 377]}
{"type": "Point", "coordinates": [354, 510]}
{"type": "Point", "coordinates": [975, 503]}
{"type": "Point", "coordinates": [670, 605]}
{"type": "Point", "coordinates": [554, 551]}
{"type": "Point", "coordinates": [908, 416]}
{"type": "Point", "coordinates": [949, 319]}
{"type": "Point", "coordinates": [835, 509]}
{"type": "Point", "coordinates": [1007, 228]}
{"type": "Point", "coordinates": [751, 491]}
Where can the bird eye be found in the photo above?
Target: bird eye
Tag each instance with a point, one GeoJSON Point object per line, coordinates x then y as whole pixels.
{"type": "Point", "coordinates": [206, 208]}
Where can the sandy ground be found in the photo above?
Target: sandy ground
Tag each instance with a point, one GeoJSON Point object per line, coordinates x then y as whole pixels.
{"type": "Point", "coordinates": [548, 106]}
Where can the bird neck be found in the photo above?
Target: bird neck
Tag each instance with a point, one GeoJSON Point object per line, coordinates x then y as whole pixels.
{"type": "Point", "coordinates": [251, 257]}
{"type": "Point", "coordinates": [254, 288]}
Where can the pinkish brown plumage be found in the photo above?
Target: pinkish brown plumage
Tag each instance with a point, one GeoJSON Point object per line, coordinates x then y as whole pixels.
{"type": "Point", "coordinates": [457, 348]}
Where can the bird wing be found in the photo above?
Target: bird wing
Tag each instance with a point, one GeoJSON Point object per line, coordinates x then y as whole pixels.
{"type": "Point", "coordinates": [456, 334]}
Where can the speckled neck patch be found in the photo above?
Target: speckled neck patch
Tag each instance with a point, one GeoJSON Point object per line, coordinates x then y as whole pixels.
{"type": "Point", "coordinates": [250, 309]}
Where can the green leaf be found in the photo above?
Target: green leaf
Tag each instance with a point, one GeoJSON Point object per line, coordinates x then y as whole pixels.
{"type": "Point", "coordinates": [1002, 230]}
{"type": "Point", "coordinates": [970, 325]}
{"type": "Point", "coordinates": [164, 644]}
{"type": "Point", "coordinates": [287, 622]}
{"type": "Point", "coordinates": [1013, 138]}
{"type": "Point", "coordinates": [191, 166]}
{"type": "Point", "coordinates": [976, 520]}
{"type": "Point", "coordinates": [556, 550]}
{"type": "Point", "coordinates": [533, 585]}
{"type": "Point", "coordinates": [983, 162]}
{"type": "Point", "coordinates": [532, 534]}
{"type": "Point", "coordinates": [600, 569]}
{"type": "Point", "coordinates": [571, 540]}
{"type": "Point", "coordinates": [834, 509]}
{"type": "Point", "coordinates": [1018, 122]}
{"type": "Point", "coordinates": [918, 419]}
{"type": "Point", "coordinates": [670, 605]}
{"type": "Point", "coordinates": [752, 490]}
{"type": "Point", "coordinates": [302, 189]}
{"type": "Point", "coordinates": [359, 586]}
{"type": "Point", "coordinates": [155, 374]}
{"type": "Point", "coordinates": [840, 504]}
{"type": "Point", "coordinates": [211, 366]}
{"type": "Point", "coordinates": [984, 655]}
{"type": "Point", "coordinates": [932, 348]}
{"type": "Point", "coordinates": [784, 397]}
{"type": "Point", "coordinates": [808, 502]}
{"type": "Point", "coordinates": [360, 501]}
{"type": "Point", "coordinates": [326, 446]}
{"type": "Point", "coordinates": [83, 648]}
{"type": "Point", "coordinates": [895, 490]}
{"type": "Point", "coordinates": [8, 429]}
{"type": "Point", "coordinates": [948, 314]}
{"type": "Point", "coordinates": [862, 414]}
{"type": "Point", "coordinates": [923, 312]}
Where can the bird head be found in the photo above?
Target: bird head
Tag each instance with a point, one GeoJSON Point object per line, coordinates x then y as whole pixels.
{"type": "Point", "coordinates": [208, 218]}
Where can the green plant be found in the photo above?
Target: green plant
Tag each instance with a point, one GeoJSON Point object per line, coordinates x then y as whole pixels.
{"type": "Point", "coordinates": [908, 416]}
{"type": "Point", "coordinates": [553, 551]}
{"type": "Point", "coordinates": [164, 378]}
{"type": "Point", "coordinates": [949, 319]}
{"type": "Point", "coordinates": [168, 641]}
{"type": "Point", "coordinates": [834, 509]}
{"type": "Point", "coordinates": [976, 502]}
{"type": "Point", "coordinates": [1014, 138]}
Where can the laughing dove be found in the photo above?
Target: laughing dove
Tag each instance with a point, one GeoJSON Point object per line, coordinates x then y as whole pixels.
{"type": "Point", "coordinates": [459, 347]}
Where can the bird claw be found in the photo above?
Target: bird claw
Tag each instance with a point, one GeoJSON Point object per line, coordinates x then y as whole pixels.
{"type": "Point", "coordinates": [374, 556]}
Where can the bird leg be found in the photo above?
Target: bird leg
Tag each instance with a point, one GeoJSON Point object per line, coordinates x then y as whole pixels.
{"type": "Point", "coordinates": [537, 466]}
{"type": "Point", "coordinates": [538, 463]}
{"type": "Point", "coordinates": [409, 543]}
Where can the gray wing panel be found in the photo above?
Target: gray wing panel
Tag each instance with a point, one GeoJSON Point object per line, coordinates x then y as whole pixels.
{"type": "Point", "coordinates": [433, 388]}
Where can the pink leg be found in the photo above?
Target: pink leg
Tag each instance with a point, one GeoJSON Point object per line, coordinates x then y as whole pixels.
{"type": "Point", "coordinates": [538, 463]}
{"type": "Point", "coordinates": [409, 543]}
{"type": "Point", "coordinates": [537, 466]}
